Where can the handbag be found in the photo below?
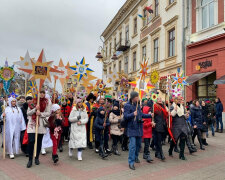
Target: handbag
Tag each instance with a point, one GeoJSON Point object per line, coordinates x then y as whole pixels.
{"type": "Point", "coordinates": [45, 122]}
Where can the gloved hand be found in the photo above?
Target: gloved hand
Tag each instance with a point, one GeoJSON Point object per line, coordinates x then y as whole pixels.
{"type": "Point", "coordinates": [58, 122]}
{"type": "Point", "coordinates": [78, 117]}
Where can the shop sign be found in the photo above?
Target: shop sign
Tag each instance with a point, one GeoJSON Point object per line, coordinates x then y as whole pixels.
{"type": "Point", "coordinates": [204, 65]}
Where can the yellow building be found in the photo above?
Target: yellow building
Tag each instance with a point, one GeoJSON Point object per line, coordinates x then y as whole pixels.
{"type": "Point", "coordinates": [158, 38]}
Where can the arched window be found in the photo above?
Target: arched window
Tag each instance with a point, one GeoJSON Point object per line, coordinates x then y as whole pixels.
{"type": "Point", "coordinates": [207, 12]}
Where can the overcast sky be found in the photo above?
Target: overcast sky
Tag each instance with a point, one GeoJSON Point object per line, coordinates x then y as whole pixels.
{"type": "Point", "coordinates": [67, 29]}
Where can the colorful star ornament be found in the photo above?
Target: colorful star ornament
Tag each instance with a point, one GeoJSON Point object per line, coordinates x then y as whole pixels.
{"type": "Point", "coordinates": [122, 96]}
{"type": "Point", "coordinates": [82, 94]}
{"type": "Point", "coordinates": [25, 63]}
{"type": "Point", "coordinates": [180, 80]}
{"type": "Point", "coordinates": [81, 69]}
{"type": "Point", "coordinates": [144, 70]}
{"type": "Point", "coordinates": [7, 74]}
{"type": "Point", "coordinates": [32, 89]}
{"type": "Point", "coordinates": [41, 70]}
{"type": "Point", "coordinates": [176, 92]}
{"type": "Point", "coordinates": [154, 96]}
{"type": "Point", "coordinates": [154, 77]}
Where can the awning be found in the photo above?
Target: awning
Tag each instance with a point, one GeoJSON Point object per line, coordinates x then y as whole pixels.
{"type": "Point", "coordinates": [221, 80]}
{"type": "Point", "coordinates": [195, 77]}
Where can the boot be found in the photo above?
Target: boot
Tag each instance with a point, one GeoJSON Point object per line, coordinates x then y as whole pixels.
{"type": "Point", "coordinates": [204, 142]}
{"type": "Point", "coordinates": [176, 149]}
{"type": "Point", "coordinates": [90, 146]}
{"type": "Point", "coordinates": [70, 152]}
{"type": "Point", "coordinates": [202, 147]}
{"type": "Point", "coordinates": [55, 158]}
{"type": "Point", "coordinates": [145, 156]}
{"type": "Point", "coordinates": [182, 146]}
{"type": "Point", "coordinates": [43, 152]}
{"type": "Point", "coordinates": [221, 131]}
{"type": "Point", "coordinates": [36, 161]}
{"type": "Point", "coordinates": [29, 164]}
{"type": "Point", "coordinates": [60, 148]}
{"type": "Point", "coordinates": [149, 159]}
{"type": "Point", "coordinates": [79, 155]}
{"type": "Point", "coordinates": [171, 148]}
{"type": "Point", "coordinates": [116, 152]}
{"type": "Point", "coordinates": [102, 152]}
{"type": "Point", "coordinates": [157, 155]}
{"type": "Point", "coordinates": [162, 156]}
{"type": "Point", "coordinates": [170, 152]}
{"type": "Point", "coordinates": [190, 147]}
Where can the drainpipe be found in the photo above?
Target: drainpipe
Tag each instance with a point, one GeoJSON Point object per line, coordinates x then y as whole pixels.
{"type": "Point", "coordinates": [183, 41]}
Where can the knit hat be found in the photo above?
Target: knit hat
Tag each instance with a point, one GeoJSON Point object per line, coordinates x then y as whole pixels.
{"type": "Point", "coordinates": [133, 95]}
{"type": "Point", "coordinates": [116, 103]}
{"type": "Point", "coordinates": [55, 107]}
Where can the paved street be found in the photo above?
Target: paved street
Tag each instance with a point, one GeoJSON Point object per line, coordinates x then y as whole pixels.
{"type": "Point", "coordinates": [208, 164]}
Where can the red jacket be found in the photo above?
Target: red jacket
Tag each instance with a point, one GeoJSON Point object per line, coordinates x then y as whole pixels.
{"type": "Point", "coordinates": [147, 126]}
{"type": "Point", "coordinates": [66, 113]}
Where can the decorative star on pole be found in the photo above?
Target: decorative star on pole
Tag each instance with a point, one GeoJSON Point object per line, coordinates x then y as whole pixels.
{"type": "Point", "coordinates": [25, 63]}
{"type": "Point", "coordinates": [180, 80]}
{"type": "Point", "coordinates": [81, 69]}
{"type": "Point", "coordinates": [40, 70]}
{"type": "Point", "coordinates": [144, 70]}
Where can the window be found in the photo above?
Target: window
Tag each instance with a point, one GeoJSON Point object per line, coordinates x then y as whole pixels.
{"type": "Point", "coordinates": [171, 43]}
{"type": "Point", "coordinates": [119, 66]}
{"type": "Point", "coordinates": [134, 61]}
{"type": "Point", "coordinates": [120, 37]}
{"type": "Point", "coordinates": [106, 51]}
{"type": "Point", "coordinates": [110, 70]}
{"type": "Point", "coordinates": [126, 65]}
{"type": "Point", "coordinates": [145, 16]}
{"type": "Point", "coordinates": [143, 52]}
{"type": "Point", "coordinates": [135, 25]}
{"type": "Point", "coordinates": [207, 13]}
{"type": "Point", "coordinates": [171, 1]}
{"type": "Point", "coordinates": [115, 44]}
{"type": "Point", "coordinates": [127, 34]}
{"type": "Point", "coordinates": [156, 50]}
{"type": "Point", "coordinates": [156, 7]}
{"type": "Point", "coordinates": [110, 49]}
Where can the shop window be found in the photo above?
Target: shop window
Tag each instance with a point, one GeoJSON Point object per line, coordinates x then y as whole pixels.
{"type": "Point", "coordinates": [126, 65]}
{"type": "Point", "coordinates": [134, 61]}
{"type": "Point", "coordinates": [205, 87]}
{"type": "Point", "coordinates": [207, 13]}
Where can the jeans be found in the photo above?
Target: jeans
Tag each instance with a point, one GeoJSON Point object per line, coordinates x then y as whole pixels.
{"type": "Point", "coordinates": [134, 148]}
{"type": "Point", "coordinates": [212, 129]}
{"type": "Point", "coordinates": [219, 121]}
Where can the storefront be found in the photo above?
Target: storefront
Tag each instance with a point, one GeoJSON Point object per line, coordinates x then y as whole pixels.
{"type": "Point", "coordinates": [204, 65]}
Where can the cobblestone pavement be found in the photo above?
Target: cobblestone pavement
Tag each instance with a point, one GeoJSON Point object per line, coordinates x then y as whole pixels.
{"type": "Point", "coordinates": [207, 165]}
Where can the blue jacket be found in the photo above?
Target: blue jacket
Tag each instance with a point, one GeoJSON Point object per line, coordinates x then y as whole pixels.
{"type": "Point", "coordinates": [134, 128]}
{"type": "Point", "coordinates": [219, 109]}
{"type": "Point", "coordinates": [99, 121]}
{"type": "Point", "coordinates": [197, 117]}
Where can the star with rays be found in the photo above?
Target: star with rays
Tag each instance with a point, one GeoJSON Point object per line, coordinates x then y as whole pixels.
{"type": "Point", "coordinates": [180, 80]}
{"type": "Point", "coordinates": [81, 69]}
{"type": "Point", "coordinates": [40, 70]}
{"type": "Point", "coordinates": [144, 70]}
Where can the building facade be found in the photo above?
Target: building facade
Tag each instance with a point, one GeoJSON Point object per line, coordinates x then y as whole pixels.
{"type": "Point", "coordinates": [159, 38]}
{"type": "Point", "coordinates": [205, 59]}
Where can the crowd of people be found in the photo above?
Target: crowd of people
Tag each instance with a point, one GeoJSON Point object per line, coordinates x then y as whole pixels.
{"type": "Point", "coordinates": [92, 122]}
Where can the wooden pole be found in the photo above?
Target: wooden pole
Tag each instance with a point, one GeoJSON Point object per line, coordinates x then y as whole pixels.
{"type": "Point", "coordinates": [3, 133]}
{"type": "Point", "coordinates": [168, 99]}
{"type": "Point", "coordinates": [25, 89]}
{"type": "Point", "coordinates": [36, 127]}
{"type": "Point", "coordinates": [54, 91]}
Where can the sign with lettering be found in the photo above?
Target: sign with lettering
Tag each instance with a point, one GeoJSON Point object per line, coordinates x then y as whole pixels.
{"type": "Point", "coordinates": [204, 65]}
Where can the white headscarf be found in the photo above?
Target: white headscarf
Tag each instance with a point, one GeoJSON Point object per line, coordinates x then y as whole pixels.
{"type": "Point", "coordinates": [55, 107]}
{"type": "Point", "coordinates": [10, 100]}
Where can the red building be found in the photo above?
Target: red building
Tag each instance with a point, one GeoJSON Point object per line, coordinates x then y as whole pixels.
{"type": "Point", "coordinates": [205, 54]}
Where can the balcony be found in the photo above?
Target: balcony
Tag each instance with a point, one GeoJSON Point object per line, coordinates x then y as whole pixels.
{"type": "Point", "coordinates": [123, 45]}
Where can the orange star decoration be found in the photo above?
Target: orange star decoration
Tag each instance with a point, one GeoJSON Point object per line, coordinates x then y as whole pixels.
{"type": "Point", "coordinates": [41, 70]}
{"type": "Point", "coordinates": [144, 70]}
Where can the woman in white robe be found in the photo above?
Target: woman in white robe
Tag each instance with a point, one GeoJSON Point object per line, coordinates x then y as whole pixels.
{"type": "Point", "coordinates": [14, 125]}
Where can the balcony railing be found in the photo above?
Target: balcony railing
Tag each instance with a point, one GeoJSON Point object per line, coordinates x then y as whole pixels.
{"type": "Point", "coordinates": [123, 45]}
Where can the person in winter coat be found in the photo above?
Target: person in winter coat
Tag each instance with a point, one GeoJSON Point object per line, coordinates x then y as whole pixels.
{"type": "Point", "coordinates": [78, 119]}
{"type": "Point", "coordinates": [147, 132]}
{"type": "Point", "coordinates": [211, 117]}
{"type": "Point", "coordinates": [133, 115]}
{"type": "Point", "coordinates": [198, 120]}
{"type": "Point", "coordinates": [56, 121]}
{"type": "Point", "coordinates": [160, 117]}
{"type": "Point", "coordinates": [205, 113]}
{"type": "Point", "coordinates": [115, 118]}
{"type": "Point", "coordinates": [219, 111]}
{"type": "Point", "coordinates": [65, 110]}
{"type": "Point", "coordinates": [43, 111]}
{"type": "Point", "coordinates": [179, 127]}
{"type": "Point", "coordinates": [101, 133]}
